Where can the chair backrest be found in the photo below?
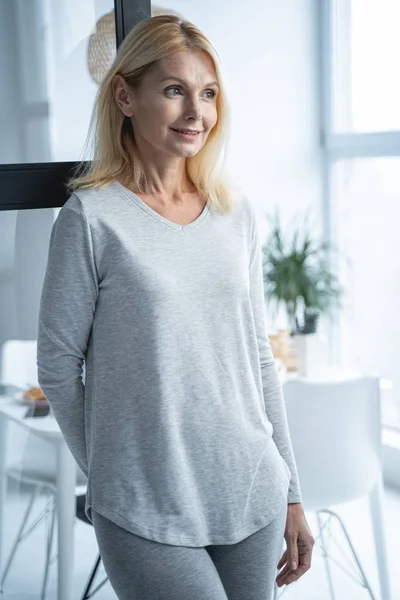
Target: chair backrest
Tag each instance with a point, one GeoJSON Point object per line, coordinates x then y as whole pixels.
{"type": "Point", "coordinates": [18, 363]}
{"type": "Point", "coordinates": [25, 452]}
{"type": "Point", "coordinates": [335, 429]}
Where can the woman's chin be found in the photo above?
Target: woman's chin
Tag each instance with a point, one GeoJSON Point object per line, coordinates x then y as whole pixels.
{"type": "Point", "coordinates": [186, 152]}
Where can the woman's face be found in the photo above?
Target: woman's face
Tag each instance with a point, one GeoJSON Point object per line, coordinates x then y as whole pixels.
{"type": "Point", "coordinates": [180, 92]}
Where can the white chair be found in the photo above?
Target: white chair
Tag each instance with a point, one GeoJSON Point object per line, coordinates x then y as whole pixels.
{"type": "Point", "coordinates": [335, 428]}
{"type": "Point", "coordinates": [30, 460]}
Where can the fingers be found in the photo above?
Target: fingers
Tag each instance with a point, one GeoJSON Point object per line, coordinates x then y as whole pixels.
{"type": "Point", "coordinates": [283, 560]}
{"type": "Point", "coordinates": [281, 578]}
{"type": "Point", "coordinates": [293, 552]}
{"type": "Point", "coordinates": [288, 574]}
{"type": "Point", "coordinates": [293, 560]}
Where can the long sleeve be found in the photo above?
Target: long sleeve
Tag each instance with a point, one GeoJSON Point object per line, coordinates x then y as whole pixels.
{"type": "Point", "coordinates": [66, 312]}
{"type": "Point", "coordinates": [272, 388]}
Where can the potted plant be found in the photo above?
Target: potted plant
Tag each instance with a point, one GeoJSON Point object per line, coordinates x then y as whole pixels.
{"type": "Point", "coordinates": [297, 274]}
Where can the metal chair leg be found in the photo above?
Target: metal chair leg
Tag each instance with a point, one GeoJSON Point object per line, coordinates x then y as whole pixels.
{"type": "Point", "coordinates": [325, 555]}
{"type": "Point", "coordinates": [86, 593]}
{"type": "Point", "coordinates": [48, 551]}
{"type": "Point", "coordinates": [365, 582]}
{"type": "Point", "coordinates": [19, 536]}
{"type": "Point", "coordinates": [376, 504]}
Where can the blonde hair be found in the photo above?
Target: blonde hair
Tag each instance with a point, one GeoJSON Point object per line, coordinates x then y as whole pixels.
{"type": "Point", "coordinates": [115, 154]}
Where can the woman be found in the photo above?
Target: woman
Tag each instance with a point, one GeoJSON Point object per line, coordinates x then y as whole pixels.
{"type": "Point", "coordinates": [154, 280]}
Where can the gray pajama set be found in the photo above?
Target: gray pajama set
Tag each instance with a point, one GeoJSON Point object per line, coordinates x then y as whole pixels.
{"type": "Point", "coordinates": [179, 421]}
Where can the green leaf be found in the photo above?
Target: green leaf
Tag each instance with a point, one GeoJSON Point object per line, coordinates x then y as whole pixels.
{"type": "Point", "coordinates": [297, 270]}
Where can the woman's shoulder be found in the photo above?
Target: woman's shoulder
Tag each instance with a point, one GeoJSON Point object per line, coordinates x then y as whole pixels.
{"type": "Point", "coordinates": [243, 207]}
{"type": "Point", "coordinates": [93, 200]}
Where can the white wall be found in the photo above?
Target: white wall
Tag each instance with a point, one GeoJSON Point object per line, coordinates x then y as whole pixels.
{"type": "Point", "coordinates": [269, 55]}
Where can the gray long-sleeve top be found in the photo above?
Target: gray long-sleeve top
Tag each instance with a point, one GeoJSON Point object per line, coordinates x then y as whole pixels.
{"type": "Point", "coordinates": [179, 423]}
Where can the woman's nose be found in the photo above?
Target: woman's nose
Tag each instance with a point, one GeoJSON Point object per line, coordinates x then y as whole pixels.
{"type": "Point", "coordinates": [193, 110]}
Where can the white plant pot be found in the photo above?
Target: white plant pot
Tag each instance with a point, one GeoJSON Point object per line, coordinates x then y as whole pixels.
{"type": "Point", "coordinates": [311, 352]}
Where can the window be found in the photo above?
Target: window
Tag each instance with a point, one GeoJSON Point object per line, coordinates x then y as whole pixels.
{"type": "Point", "coordinates": [360, 79]}
{"type": "Point", "coordinates": [366, 51]}
{"type": "Point", "coordinates": [367, 203]}
{"type": "Point", "coordinates": [56, 53]}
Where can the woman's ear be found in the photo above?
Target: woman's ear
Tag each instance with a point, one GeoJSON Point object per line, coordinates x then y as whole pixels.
{"type": "Point", "coordinates": [122, 95]}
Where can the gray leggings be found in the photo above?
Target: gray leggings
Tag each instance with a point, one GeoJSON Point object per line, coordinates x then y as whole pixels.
{"type": "Point", "coordinates": [142, 569]}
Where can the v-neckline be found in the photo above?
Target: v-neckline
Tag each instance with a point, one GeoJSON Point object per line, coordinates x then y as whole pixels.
{"type": "Point", "coordinates": [153, 213]}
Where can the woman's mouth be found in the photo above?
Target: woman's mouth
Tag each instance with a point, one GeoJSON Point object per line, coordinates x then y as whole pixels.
{"type": "Point", "coordinates": [186, 134]}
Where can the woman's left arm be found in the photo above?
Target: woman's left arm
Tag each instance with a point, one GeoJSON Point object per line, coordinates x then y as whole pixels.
{"type": "Point", "coordinates": [272, 387]}
{"type": "Point", "coordinates": [296, 559]}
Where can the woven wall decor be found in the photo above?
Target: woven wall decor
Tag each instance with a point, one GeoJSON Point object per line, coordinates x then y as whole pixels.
{"type": "Point", "coordinates": [101, 49]}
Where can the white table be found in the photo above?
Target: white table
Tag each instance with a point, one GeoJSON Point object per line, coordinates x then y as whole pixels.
{"type": "Point", "coordinates": [45, 428]}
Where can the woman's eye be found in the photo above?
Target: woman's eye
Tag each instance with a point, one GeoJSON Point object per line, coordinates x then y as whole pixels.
{"type": "Point", "coordinates": [171, 89]}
